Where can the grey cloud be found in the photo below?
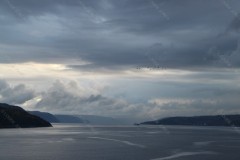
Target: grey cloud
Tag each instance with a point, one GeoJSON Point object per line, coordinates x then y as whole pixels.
{"type": "Point", "coordinates": [60, 98]}
{"type": "Point", "coordinates": [114, 36]}
{"type": "Point", "coordinates": [235, 24]}
{"type": "Point", "coordinates": [70, 98]}
{"type": "Point", "coordinates": [117, 33]}
{"type": "Point", "coordinates": [217, 101]}
{"type": "Point", "coordinates": [196, 100]}
{"type": "Point", "coordinates": [15, 95]}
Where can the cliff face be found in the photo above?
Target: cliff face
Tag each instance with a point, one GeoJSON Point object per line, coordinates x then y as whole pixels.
{"type": "Point", "coordinates": [16, 117]}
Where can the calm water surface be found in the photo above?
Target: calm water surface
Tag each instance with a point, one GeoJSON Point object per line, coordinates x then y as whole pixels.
{"type": "Point", "coordinates": [76, 142]}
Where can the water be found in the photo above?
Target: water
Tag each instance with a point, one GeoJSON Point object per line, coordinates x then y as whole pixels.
{"type": "Point", "coordinates": [76, 142]}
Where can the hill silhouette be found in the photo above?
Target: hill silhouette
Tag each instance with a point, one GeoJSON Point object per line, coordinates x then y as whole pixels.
{"type": "Point", "coordinates": [218, 120]}
{"type": "Point", "coordinates": [16, 117]}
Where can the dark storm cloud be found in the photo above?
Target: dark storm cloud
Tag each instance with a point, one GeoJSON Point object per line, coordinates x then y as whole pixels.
{"type": "Point", "coordinates": [235, 24]}
{"type": "Point", "coordinates": [127, 33]}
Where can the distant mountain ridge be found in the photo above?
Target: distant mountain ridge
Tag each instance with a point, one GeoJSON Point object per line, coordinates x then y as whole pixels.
{"type": "Point", "coordinates": [83, 119]}
{"type": "Point", "coordinates": [45, 115]}
{"type": "Point", "coordinates": [68, 119]}
{"type": "Point", "coordinates": [16, 117]}
{"type": "Point", "coordinates": [217, 120]}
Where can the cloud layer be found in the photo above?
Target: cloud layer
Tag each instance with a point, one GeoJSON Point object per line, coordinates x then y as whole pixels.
{"type": "Point", "coordinates": [113, 34]}
{"type": "Point", "coordinates": [71, 98]}
{"type": "Point", "coordinates": [128, 58]}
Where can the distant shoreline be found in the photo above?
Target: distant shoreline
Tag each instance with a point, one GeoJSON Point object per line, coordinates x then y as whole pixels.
{"type": "Point", "coordinates": [216, 120]}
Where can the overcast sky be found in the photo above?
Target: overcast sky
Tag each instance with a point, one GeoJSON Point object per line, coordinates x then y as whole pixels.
{"type": "Point", "coordinates": [136, 59]}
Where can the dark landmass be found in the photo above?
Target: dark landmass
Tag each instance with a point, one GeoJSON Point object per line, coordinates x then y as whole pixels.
{"type": "Point", "coordinates": [45, 115]}
{"type": "Point", "coordinates": [68, 119]}
{"type": "Point", "coordinates": [218, 120]}
{"type": "Point", "coordinates": [16, 117]}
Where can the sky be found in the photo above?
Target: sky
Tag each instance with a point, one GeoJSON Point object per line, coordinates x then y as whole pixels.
{"type": "Point", "coordinates": [133, 59]}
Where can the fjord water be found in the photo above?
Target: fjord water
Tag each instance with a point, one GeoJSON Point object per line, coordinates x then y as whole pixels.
{"type": "Point", "coordinates": [76, 142]}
